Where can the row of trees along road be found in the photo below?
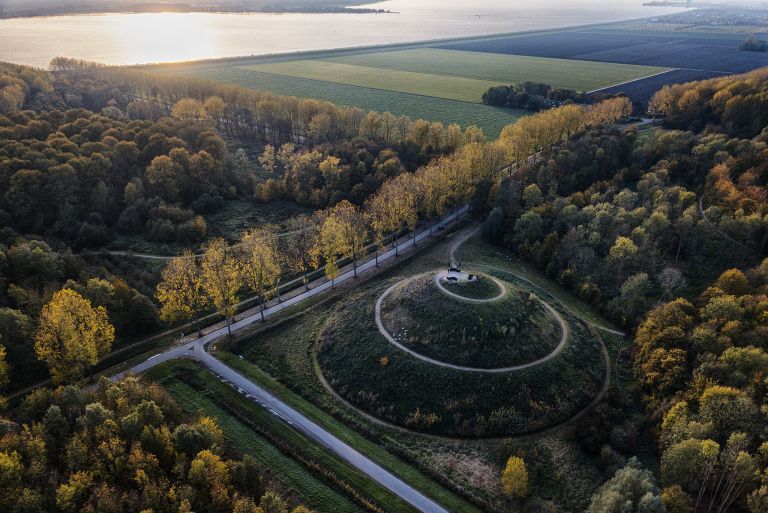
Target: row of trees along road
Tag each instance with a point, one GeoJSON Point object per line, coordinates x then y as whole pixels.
{"type": "Point", "coordinates": [73, 334]}
{"type": "Point", "coordinates": [190, 285]}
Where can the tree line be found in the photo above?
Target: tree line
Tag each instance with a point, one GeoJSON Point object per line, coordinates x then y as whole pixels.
{"type": "Point", "coordinates": [701, 366]}
{"type": "Point", "coordinates": [530, 96]}
{"type": "Point", "coordinates": [736, 104]}
{"type": "Point", "coordinates": [614, 216]}
{"type": "Point", "coordinates": [124, 447]}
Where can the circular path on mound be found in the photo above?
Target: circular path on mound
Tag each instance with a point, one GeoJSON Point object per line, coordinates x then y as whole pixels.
{"type": "Point", "coordinates": [581, 364]}
{"type": "Point", "coordinates": [500, 370]}
{"type": "Point", "coordinates": [440, 276]}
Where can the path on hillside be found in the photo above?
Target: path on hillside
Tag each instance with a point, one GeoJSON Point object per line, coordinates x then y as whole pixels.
{"type": "Point", "coordinates": [461, 238]}
{"type": "Point", "coordinates": [719, 230]}
{"type": "Point", "coordinates": [196, 350]}
{"type": "Point", "coordinates": [440, 276]}
{"type": "Point", "coordinates": [471, 233]}
{"type": "Point", "coordinates": [501, 370]}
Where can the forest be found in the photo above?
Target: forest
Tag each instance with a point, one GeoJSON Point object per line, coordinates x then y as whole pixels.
{"type": "Point", "coordinates": [664, 231]}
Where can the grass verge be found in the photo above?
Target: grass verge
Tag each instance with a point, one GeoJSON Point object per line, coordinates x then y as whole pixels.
{"type": "Point", "coordinates": [321, 479]}
{"type": "Point", "coordinates": [411, 475]}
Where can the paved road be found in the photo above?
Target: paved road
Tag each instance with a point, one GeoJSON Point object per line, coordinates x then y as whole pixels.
{"type": "Point", "coordinates": [197, 350]}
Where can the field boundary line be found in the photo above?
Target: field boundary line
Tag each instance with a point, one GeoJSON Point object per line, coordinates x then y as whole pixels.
{"type": "Point", "coordinates": [479, 103]}
{"type": "Point", "coordinates": [635, 80]}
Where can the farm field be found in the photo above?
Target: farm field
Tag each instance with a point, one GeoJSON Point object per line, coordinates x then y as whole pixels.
{"type": "Point", "coordinates": [441, 73]}
{"type": "Point", "coordinates": [642, 90]}
{"type": "Point", "coordinates": [444, 81]}
{"type": "Point", "coordinates": [710, 52]}
{"type": "Point", "coordinates": [450, 88]}
{"type": "Point", "coordinates": [490, 119]}
{"type": "Point", "coordinates": [691, 55]}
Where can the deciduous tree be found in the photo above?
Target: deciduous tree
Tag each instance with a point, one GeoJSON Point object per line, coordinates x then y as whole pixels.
{"type": "Point", "coordinates": [72, 335]}
{"type": "Point", "coordinates": [180, 292]}
{"type": "Point", "coordinates": [222, 278]}
{"type": "Point", "coordinates": [515, 478]}
{"type": "Point", "coordinates": [260, 261]}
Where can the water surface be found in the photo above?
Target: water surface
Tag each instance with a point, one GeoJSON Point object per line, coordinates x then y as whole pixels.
{"type": "Point", "coordinates": [146, 38]}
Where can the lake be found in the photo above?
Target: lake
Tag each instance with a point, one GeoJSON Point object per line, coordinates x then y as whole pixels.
{"type": "Point", "coordinates": [148, 38]}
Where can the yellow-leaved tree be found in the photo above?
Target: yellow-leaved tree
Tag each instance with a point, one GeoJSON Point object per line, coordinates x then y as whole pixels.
{"type": "Point", "coordinates": [394, 206]}
{"type": "Point", "coordinates": [222, 278]}
{"type": "Point", "coordinates": [72, 335]}
{"type": "Point", "coordinates": [515, 478]}
{"type": "Point", "coordinates": [180, 291]}
{"type": "Point", "coordinates": [343, 236]}
{"type": "Point", "coordinates": [301, 247]}
{"type": "Point", "coordinates": [260, 261]}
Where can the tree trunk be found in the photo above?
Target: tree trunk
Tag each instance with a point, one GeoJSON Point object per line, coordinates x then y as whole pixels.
{"type": "Point", "coordinates": [262, 308]}
{"type": "Point", "coordinates": [229, 326]}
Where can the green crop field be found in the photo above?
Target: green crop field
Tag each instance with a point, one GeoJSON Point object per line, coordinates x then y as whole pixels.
{"type": "Point", "coordinates": [424, 84]}
{"type": "Point", "coordinates": [500, 68]}
{"type": "Point", "coordinates": [490, 119]}
{"type": "Point", "coordinates": [453, 74]}
{"type": "Point", "coordinates": [429, 83]}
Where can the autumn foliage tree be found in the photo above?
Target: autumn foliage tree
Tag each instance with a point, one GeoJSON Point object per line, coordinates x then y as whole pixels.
{"type": "Point", "coordinates": [221, 274]}
{"type": "Point", "coordinates": [515, 478]}
{"type": "Point", "coordinates": [343, 235]}
{"type": "Point", "coordinates": [260, 261]}
{"type": "Point", "coordinates": [72, 335]}
{"type": "Point", "coordinates": [180, 292]}
{"type": "Point", "coordinates": [394, 207]}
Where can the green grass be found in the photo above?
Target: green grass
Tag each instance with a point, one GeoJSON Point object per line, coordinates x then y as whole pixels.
{"type": "Point", "coordinates": [449, 65]}
{"type": "Point", "coordinates": [481, 288]}
{"type": "Point", "coordinates": [480, 254]}
{"type": "Point", "coordinates": [406, 472]}
{"type": "Point", "coordinates": [230, 221]}
{"type": "Point", "coordinates": [411, 82]}
{"type": "Point", "coordinates": [490, 119]}
{"type": "Point", "coordinates": [423, 397]}
{"type": "Point", "coordinates": [199, 392]}
{"type": "Point", "coordinates": [514, 330]}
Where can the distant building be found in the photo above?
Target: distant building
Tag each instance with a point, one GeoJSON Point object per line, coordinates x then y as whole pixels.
{"type": "Point", "coordinates": [553, 104]}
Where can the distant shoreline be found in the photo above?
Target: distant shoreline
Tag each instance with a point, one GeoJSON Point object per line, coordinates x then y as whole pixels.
{"type": "Point", "coordinates": [186, 9]}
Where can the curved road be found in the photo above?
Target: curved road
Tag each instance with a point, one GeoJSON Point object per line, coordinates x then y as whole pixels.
{"type": "Point", "coordinates": [196, 350]}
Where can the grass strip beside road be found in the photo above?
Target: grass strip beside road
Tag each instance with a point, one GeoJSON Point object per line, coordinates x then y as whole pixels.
{"type": "Point", "coordinates": [323, 481]}
{"type": "Point", "coordinates": [412, 476]}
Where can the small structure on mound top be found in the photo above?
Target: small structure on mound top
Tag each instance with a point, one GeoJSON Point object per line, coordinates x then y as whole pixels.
{"type": "Point", "coordinates": [455, 275]}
